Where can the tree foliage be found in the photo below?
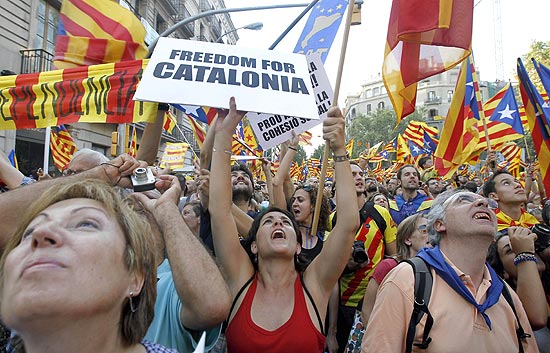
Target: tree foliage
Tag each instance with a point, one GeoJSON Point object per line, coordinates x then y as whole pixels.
{"type": "Point", "coordinates": [301, 155]}
{"type": "Point", "coordinates": [368, 130]}
{"type": "Point", "coordinates": [540, 51]}
{"type": "Point", "coordinates": [318, 152]}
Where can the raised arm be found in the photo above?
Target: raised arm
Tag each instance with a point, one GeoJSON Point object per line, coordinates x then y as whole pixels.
{"type": "Point", "coordinates": [326, 268]}
{"type": "Point", "coordinates": [235, 262]}
{"type": "Point", "coordinates": [10, 175]}
{"type": "Point", "coordinates": [149, 146]}
{"type": "Point", "coordinates": [196, 276]}
{"type": "Point", "coordinates": [279, 199]}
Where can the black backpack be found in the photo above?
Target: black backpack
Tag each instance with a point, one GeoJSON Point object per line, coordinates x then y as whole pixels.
{"type": "Point", "coordinates": [423, 282]}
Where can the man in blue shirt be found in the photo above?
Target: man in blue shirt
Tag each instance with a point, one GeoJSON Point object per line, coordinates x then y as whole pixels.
{"type": "Point", "coordinates": [410, 201]}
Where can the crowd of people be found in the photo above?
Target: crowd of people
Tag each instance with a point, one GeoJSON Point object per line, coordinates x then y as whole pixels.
{"type": "Point", "coordinates": [407, 263]}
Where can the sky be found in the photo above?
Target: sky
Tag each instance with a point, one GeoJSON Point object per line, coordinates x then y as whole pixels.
{"type": "Point", "coordinates": [521, 23]}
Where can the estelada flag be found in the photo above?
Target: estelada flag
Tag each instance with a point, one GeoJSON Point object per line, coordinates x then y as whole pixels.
{"type": "Point", "coordinates": [62, 147]}
{"type": "Point", "coordinates": [424, 39]}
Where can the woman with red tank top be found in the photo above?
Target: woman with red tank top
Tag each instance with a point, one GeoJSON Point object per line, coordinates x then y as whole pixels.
{"type": "Point", "coordinates": [278, 307]}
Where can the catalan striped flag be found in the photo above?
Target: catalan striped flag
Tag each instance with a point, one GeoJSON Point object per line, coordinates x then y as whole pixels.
{"type": "Point", "coordinates": [132, 143]}
{"type": "Point", "coordinates": [459, 136]}
{"type": "Point", "coordinates": [305, 138]}
{"type": "Point", "coordinates": [415, 132]}
{"type": "Point", "coordinates": [403, 151]}
{"type": "Point", "coordinates": [174, 155]}
{"type": "Point", "coordinates": [198, 130]}
{"type": "Point", "coordinates": [62, 147]}
{"type": "Point", "coordinates": [95, 32]}
{"type": "Point", "coordinates": [544, 75]}
{"type": "Point", "coordinates": [538, 116]}
{"type": "Point", "coordinates": [512, 154]}
{"type": "Point", "coordinates": [503, 119]}
{"type": "Point", "coordinates": [94, 94]}
{"type": "Point", "coordinates": [349, 147]}
{"type": "Point", "coordinates": [169, 122]}
{"type": "Point", "coordinates": [424, 39]}
{"type": "Point", "coordinates": [250, 138]}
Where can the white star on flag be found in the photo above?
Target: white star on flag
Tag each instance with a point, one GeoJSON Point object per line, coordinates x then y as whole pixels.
{"type": "Point", "coordinates": [506, 113]}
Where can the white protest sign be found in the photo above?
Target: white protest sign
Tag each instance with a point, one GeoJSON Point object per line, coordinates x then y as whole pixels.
{"type": "Point", "coordinates": [201, 344]}
{"type": "Point", "coordinates": [207, 74]}
{"type": "Point", "coordinates": [272, 130]}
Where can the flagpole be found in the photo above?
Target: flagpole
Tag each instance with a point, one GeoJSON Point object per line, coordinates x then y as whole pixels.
{"type": "Point", "coordinates": [186, 141]}
{"type": "Point", "coordinates": [46, 165]}
{"type": "Point", "coordinates": [527, 149]}
{"type": "Point", "coordinates": [479, 103]}
{"type": "Point", "coordinates": [319, 200]}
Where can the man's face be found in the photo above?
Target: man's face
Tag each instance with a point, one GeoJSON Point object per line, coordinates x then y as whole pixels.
{"type": "Point", "coordinates": [241, 184]}
{"type": "Point", "coordinates": [409, 178]}
{"type": "Point", "coordinates": [434, 186]}
{"type": "Point", "coordinates": [358, 178]}
{"type": "Point", "coordinates": [392, 184]}
{"type": "Point", "coordinates": [508, 190]}
{"type": "Point", "coordinates": [478, 181]}
{"type": "Point", "coordinates": [371, 185]}
{"type": "Point", "coordinates": [468, 214]}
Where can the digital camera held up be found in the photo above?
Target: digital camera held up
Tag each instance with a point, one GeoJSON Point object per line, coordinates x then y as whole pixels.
{"type": "Point", "coordinates": [543, 236]}
{"type": "Point", "coordinates": [358, 253]}
{"type": "Point", "coordinates": [143, 179]}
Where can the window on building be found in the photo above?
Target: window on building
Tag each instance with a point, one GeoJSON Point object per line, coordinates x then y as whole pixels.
{"type": "Point", "coordinates": [433, 113]}
{"type": "Point", "coordinates": [161, 24]}
{"type": "Point", "coordinates": [383, 90]}
{"type": "Point", "coordinates": [375, 91]}
{"type": "Point", "coordinates": [449, 95]}
{"type": "Point", "coordinates": [100, 149]}
{"type": "Point", "coordinates": [369, 93]}
{"type": "Point", "coordinates": [369, 108]}
{"type": "Point", "coordinates": [46, 27]}
{"type": "Point", "coordinates": [381, 105]}
{"type": "Point", "coordinates": [353, 113]}
{"type": "Point", "coordinates": [431, 95]}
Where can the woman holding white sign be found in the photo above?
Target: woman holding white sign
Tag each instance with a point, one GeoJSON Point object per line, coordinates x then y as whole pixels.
{"type": "Point", "coordinates": [278, 307]}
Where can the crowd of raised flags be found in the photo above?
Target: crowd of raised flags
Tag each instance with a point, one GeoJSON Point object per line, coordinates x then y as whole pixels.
{"type": "Point", "coordinates": [93, 32]}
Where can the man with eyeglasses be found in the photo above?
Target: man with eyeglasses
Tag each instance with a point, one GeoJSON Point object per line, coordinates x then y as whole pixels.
{"type": "Point", "coordinates": [510, 195]}
{"type": "Point", "coordinates": [467, 305]}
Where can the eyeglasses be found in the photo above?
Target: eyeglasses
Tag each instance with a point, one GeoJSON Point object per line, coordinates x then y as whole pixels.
{"type": "Point", "coordinates": [463, 197]}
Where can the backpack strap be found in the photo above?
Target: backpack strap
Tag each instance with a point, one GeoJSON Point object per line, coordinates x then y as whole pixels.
{"type": "Point", "coordinates": [519, 331]}
{"type": "Point", "coordinates": [423, 282]}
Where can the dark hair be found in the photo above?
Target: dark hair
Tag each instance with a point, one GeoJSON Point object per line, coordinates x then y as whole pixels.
{"type": "Point", "coordinates": [313, 191]}
{"type": "Point", "coordinates": [182, 181]}
{"type": "Point", "coordinates": [300, 263]}
{"type": "Point", "coordinates": [470, 186]}
{"type": "Point", "coordinates": [489, 185]}
{"type": "Point", "coordinates": [400, 170]}
{"type": "Point", "coordinates": [243, 167]}
{"type": "Point", "coordinates": [423, 161]}
{"type": "Point", "coordinates": [546, 213]}
{"type": "Point", "coordinates": [196, 206]}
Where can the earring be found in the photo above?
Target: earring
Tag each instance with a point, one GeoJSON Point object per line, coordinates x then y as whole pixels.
{"type": "Point", "coordinates": [255, 259]}
{"type": "Point", "coordinates": [132, 308]}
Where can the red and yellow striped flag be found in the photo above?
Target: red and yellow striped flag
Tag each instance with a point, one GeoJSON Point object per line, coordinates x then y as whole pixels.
{"type": "Point", "coordinates": [424, 39]}
{"type": "Point", "coordinates": [174, 155]}
{"type": "Point", "coordinates": [62, 147]}
{"type": "Point", "coordinates": [132, 144]}
{"type": "Point", "coordinates": [169, 122]}
{"type": "Point", "coordinates": [198, 131]}
{"type": "Point", "coordinates": [94, 94]}
{"type": "Point", "coordinates": [95, 32]}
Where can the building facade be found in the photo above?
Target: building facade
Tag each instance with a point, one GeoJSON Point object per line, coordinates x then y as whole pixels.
{"type": "Point", "coordinates": [434, 96]}
{"type": "Point", "coordinates": [27, 44]}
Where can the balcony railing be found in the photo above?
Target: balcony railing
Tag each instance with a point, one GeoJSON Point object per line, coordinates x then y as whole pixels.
{"type": "Point", "coordinates": [35, 60]}
{"type": "Point", "coordinates": [432, 100]}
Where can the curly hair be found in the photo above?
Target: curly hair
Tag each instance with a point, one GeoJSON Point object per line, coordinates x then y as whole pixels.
{"type": "Point", "coordinates": [313, 191]}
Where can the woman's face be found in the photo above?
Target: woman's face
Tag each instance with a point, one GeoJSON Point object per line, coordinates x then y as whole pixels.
{"type": "Point", "coordinates": [70, 263]}
{"type": "Point", "coordinates": [276, 235]}
{"type": "Point", "coordinates": [382, 201]}
{"type": "Point", "coordinates": [190, 217]}
{"type": "Point", "coordinates": [507, 255]}
{"type": "Point", "coordinates": [419, 238]}
{"type": "Point", "coordinates": [301, 206]}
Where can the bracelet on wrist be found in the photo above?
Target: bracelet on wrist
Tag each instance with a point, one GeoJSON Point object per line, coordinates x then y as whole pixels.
{"type": "Point", "coordinates": [524, 257]}
{"type": "Point", "coordinates": [224, 151]}
{"type": "Point", "coordinates": [341, 158]}
{"type": "Point", "coordinates": [293, 148]}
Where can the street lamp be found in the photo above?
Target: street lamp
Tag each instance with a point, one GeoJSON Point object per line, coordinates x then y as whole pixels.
{"type": "Point", "coordinates": [256, 26]}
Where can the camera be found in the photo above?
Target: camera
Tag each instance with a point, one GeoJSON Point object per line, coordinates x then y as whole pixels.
{"type": "Point", "coordinates": [359, 253]}
{"type": "Point", "coordinates": [143, 179]}
{"type": "Point", "coordinates": [543, 236]}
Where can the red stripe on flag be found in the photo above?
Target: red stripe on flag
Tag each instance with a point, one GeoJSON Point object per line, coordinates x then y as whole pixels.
{"type": "Point", "coordinates": [114, 28]}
